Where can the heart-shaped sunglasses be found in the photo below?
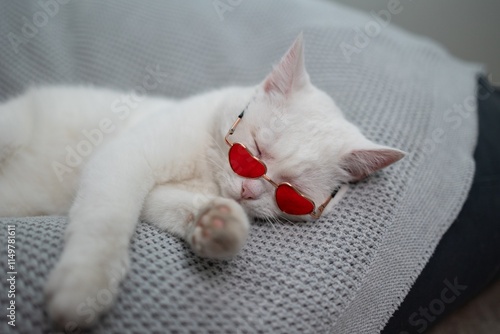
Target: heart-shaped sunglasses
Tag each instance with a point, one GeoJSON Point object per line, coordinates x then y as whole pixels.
{"type": "Point", "coordinates": [288, 198]}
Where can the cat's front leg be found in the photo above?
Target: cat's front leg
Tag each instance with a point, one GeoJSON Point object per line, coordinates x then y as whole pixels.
{"type": "Point", "coordinates": [215, 227]}
{"type": "Point", "coordinates": [102, 220]}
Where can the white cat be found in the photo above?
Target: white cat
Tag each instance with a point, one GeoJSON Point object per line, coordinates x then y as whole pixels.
{"type": "Point", "coordinates": [82, 152]}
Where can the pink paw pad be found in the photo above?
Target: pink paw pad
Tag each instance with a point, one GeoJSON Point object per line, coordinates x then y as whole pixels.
{"type": "Point", "coordinates": [218, 233]}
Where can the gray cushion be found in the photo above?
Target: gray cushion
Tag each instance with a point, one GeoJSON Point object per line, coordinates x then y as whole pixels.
{"type": "Point", "coordinates": [345, 273]}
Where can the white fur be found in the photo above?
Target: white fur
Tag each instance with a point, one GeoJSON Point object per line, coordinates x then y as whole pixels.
{"type": "Point", "coordinates": [165, 161]}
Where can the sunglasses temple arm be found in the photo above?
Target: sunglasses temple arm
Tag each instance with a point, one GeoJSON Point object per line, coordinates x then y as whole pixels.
{"type": "Point", "coordinates": [231, 131]}
{"type": "Point", "coordinates": [323, 206]}
{"type": "Point", "coordinates": [240, 116]}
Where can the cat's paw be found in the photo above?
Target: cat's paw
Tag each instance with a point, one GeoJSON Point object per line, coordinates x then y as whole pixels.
{"type": "Point", "coordinates": [220, 230]}
{"type": "Point", "coordinates": [77, 294]}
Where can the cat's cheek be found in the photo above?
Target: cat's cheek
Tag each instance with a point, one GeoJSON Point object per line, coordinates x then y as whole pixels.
{"type": "Point", "coordinates": [230, 189]}
{"type": "Point", "coordinates": [228, 192]}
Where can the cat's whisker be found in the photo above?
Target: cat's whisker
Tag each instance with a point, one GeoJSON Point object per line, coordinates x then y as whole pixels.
{"type": "Point", "coordinates": [288, 220]}
{"type": "Point", "coordinates": [214, 163]}
{"type": "Point", "coordinates": [216, 143]}
{"type": "Point", "coordinates": [278, 221]}
{"type": "Point", "coordinates": [209, 157]}
{"type": "Point", "coordinates": [268, 219]}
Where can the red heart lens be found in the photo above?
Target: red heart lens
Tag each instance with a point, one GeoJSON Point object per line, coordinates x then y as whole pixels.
{"type": "Point", "coordinates": [290, 201]}
{"type": "Point", "coordinates": [245, 164]}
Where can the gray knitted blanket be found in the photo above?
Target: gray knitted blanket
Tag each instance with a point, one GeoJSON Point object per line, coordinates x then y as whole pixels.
{"type": "Point", "coordinates": [345, 273]}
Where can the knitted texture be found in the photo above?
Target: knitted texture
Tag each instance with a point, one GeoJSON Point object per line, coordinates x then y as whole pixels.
{"type": "Point", "coordinates": [344, 273]}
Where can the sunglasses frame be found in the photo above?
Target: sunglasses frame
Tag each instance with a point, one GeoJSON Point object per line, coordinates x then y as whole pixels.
{"type": "Point", "coordinates": [312, 213]}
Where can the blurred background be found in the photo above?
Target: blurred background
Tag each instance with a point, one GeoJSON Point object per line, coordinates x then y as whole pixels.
{"type": "Point", "coordinates": [469, 29]}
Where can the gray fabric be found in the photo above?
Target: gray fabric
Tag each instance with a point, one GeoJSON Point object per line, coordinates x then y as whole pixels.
{"type": "Point", "coordinates": [345, 273]}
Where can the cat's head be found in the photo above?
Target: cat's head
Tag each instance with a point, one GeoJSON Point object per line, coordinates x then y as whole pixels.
{"type": "Point", "coordinates": [303, 138]}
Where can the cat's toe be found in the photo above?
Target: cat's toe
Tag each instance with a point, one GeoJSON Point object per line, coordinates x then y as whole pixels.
{"type": "Point", "coordinates": [220, 230]}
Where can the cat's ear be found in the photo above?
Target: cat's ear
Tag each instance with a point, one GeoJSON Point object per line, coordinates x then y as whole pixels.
{"type": "Point", "coordinates": [368, 158]}
{"type": "Point", "coordinates": [290, 73]}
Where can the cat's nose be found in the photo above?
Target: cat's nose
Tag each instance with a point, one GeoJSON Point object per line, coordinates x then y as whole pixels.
{"type": "Point", "coordinates": [251, 189]}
